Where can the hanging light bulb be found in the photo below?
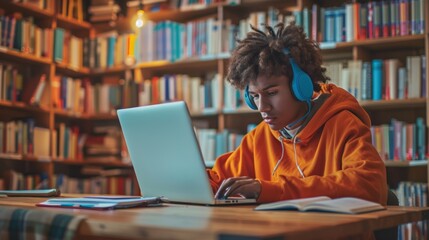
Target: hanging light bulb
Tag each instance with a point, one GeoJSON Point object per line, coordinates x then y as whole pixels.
{"type": "Point", "coordinates": [140, 18]}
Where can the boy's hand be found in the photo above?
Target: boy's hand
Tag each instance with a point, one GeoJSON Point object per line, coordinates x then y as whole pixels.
{"type": "Point", "coordinates": [244, 186]}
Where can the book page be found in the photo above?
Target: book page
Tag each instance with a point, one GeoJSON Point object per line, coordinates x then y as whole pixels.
{"type": "Point", "coordinates": [344, 205]}
{"type": "Point", "coordinates": [297, 204]}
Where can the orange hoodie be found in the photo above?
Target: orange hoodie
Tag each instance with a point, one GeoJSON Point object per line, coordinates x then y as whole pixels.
{"type": "Point", "coordinates": [333, 149]}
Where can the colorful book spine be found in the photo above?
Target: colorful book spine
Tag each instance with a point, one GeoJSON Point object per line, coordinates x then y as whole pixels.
{"type": "Point", "coordinates": [421, 138]}
{"type": "Point", "coordinates": [385, 18]}
{"type": "Point", "coordinates": [377, 7]}
{"type": "Point", "coordinates": [58, 44]}
{"type": "Point", "coordinates": [377, 79]}
{"type": "Point", "coordinates": [363, 21]}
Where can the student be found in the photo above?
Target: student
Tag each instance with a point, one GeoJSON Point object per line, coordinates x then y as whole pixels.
{"type": "Point", "coordinates": [314, 139]}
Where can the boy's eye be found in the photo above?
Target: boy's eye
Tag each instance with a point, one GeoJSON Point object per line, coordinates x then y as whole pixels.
{"type": "Point", "coordinates": [271, 93]}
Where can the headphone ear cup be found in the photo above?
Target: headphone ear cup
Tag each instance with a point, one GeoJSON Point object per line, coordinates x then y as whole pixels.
{"type": "Point", "coordinates": [302, 86]}
{"type": "Point", "coordinates": [249, 100]}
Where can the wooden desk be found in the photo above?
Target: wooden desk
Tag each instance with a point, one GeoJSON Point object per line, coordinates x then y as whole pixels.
{"type": "Point", "coordinates": [175, 221]}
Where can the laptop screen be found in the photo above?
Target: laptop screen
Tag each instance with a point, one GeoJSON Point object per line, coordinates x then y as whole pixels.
{"type": "Point", "coordinates": [165, 152]}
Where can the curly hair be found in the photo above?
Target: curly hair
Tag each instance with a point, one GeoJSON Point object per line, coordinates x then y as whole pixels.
{"type": "Point", "coordinates": [263, 53]}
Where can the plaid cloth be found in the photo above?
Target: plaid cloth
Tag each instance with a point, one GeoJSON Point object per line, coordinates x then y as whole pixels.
{"type": "Point", "coordinates": [29, 224]}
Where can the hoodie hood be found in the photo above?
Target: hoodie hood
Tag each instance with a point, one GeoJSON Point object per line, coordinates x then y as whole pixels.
{"type": "Point", "coordinates": [327, 103]}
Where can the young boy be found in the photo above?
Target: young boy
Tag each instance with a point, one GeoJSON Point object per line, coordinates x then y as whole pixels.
{"type": "Point", "coordinates": [314, 138]}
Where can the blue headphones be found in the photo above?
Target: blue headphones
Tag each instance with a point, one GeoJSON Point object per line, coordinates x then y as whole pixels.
{"type": "Point", "coordinates": [301, 85]}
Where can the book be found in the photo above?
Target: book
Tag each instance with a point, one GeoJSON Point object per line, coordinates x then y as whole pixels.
{"type": "Point", "coordinates": [102, 202]}
{"type": "Point", "coordinates": [32, 193]}
{"type": "Point", "coordinates": [33, 90]}
{"type": "Point", "coordinates": [347, 205]}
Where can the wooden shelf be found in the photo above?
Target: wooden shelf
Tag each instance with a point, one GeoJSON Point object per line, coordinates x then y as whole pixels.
{"type": "Point", "coordinates": [194, 65]}
{"type": "Point", "coordinates": [409, 42]}
{"type": "Point", "coordinates": [22, 106]}
{"type": "Point", "coordinates": [72, 24]}
{"type": "Point", "coordinates": [84, 116]}
{"type": "Point", "coordinates": [67, 70]}
{"type": "Point", "coordinates": [85, 163]}
{"type": "Point", "coordinates": [20, 157]}
{"type": "Point", "coordinates": [14, 55]}
{"type": "Point", "coordinates": [242, 110]}
{"type": "Point", "coordinates": [415, 163]}
{"type": "Point", "coordinates": [182, 15]}
{"type": "Point", "coordinates": [26, 9]}
{"type": "Point", "coordinates": [257, 5]}
{"type": "Point", "coordinates": [206, 113]}
{"type": "Point", "coordinates": [110, 70]}
{"type": "Point", "coordinates": [100, 117]}
{"type": "Point", "coordinates": [394, 104]}
{"type": "Point", "coordinates": [368, 105]}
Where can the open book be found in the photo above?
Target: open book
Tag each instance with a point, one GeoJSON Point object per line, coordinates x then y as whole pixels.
{"type": "Point", "coordinates": [325, 204]}
{"type": "Point", "coordinates": [102, 202]}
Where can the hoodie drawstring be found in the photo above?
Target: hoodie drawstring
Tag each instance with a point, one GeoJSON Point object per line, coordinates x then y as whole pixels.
{"type": "Point", "coordinates": [294, 155]}
{"type": "Point", "coordinates": [283, 152]}
{"type": "Point", "coordinates": [296, 159]}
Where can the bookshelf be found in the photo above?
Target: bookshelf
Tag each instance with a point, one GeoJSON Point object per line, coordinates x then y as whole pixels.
{"type": "Point", "coordinates": [194, 65]}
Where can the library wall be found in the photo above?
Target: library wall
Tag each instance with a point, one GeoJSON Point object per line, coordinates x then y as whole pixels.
{"type": "Point", "coordinates": [65, 69]}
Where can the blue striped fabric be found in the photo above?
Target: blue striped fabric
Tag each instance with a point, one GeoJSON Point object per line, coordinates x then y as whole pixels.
{"type": "Point", "coordinates": [16, 224]}
{"type": "Point", "coordinates": [32, 224]}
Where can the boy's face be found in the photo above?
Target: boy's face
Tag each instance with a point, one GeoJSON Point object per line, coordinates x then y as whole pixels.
{"type": "Point", "coordinates": [274, 99]}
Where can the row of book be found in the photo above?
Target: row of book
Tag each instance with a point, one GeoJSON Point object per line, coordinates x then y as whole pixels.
{"type": "Point", "coordinates": [68, 49]}
{"type": "Point", "coordinates": [14, 180]}
{"type": "Point", "coordinates": [103, 11]}
{"type": "Point", "coordinates": [362, 20]}
{"type": "Point", "coordinates": [381, 79]}
{"type": "Point", "coordinates": [116, 185]}
{"type": "Point", "coordinates": [400, 141]}
{"type": "Point", "coordinates": [75, 9]}
{"type": "Point", "coordinates": [366, 80]}
{"type": "Point", "coordinates": [23, 137]}
{"type": "Point", "coordinates": [113, 92]}
{"type": "Point", "coordinates": [12, 82]}
{"type": "Point", "coordinates": [165, 40]}
{"type": "Point", "coordinates": [22, 34]}
{"type": "Point", "coordinates": [201, 95]}
{"type": "Point", "coordinates": [104, 51]}
{"type": "Point", "coordinates": [172, 41]}
{"type": "Point", "coordinates": [397, 141]}
{"type": "Point", "coordinates": [110, 183]}
{"type": "Point", "coordinates": [214, 143]}
{"type": "Point", "coordinates": [413, 194]}
{"type": "Point", "coordinates": [81, 96]}
{"type": "Point", "coordinates": [103, 143]}
{"type": "Point", "coordinates": [109, 49]}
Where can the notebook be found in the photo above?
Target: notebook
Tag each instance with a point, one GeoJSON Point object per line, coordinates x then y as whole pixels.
{"type": "Point", "coordinates": [166, 156]}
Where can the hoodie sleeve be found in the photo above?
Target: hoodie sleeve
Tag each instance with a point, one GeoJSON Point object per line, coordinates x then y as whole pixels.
{"type": "Point", "coordinates": [342, 163]}
{"type": "Point", "coordinates": [232, 164]}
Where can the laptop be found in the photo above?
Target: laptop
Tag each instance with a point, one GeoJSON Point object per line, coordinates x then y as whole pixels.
{"type": "Point", "coordinates": [166, 156]}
